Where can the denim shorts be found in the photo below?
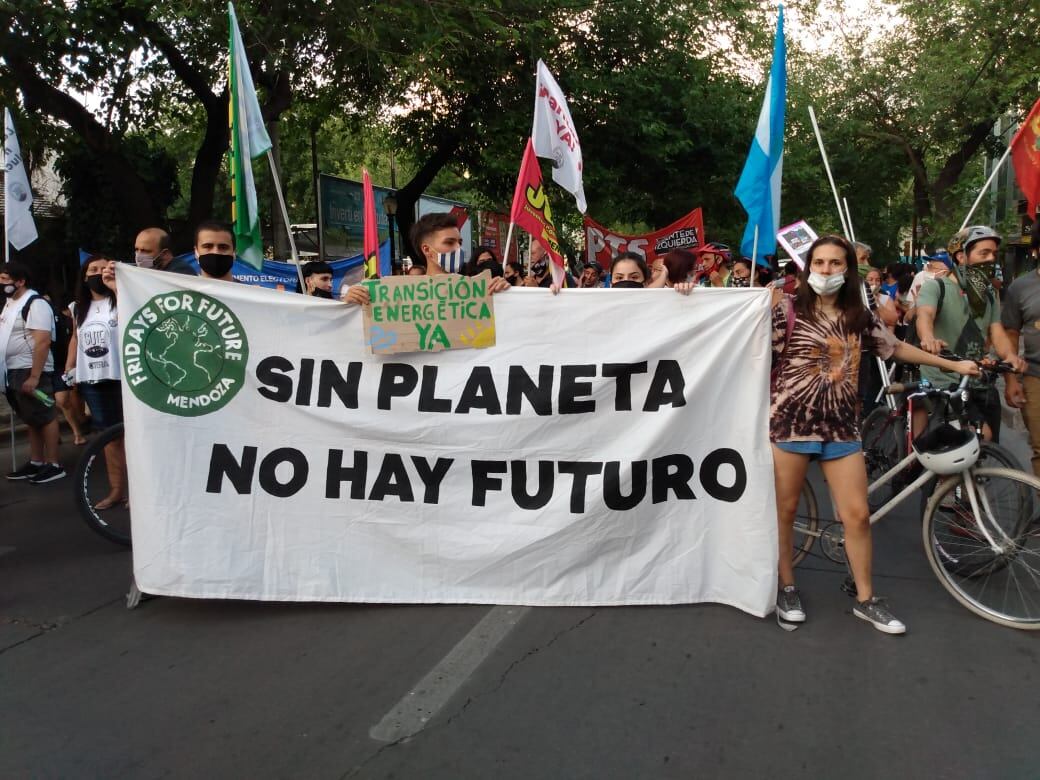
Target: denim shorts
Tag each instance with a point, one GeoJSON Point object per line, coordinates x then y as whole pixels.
{"type": "Point", "coordinates": [105, 401]}
{"type": "Point", "coordinates": [820, 450]}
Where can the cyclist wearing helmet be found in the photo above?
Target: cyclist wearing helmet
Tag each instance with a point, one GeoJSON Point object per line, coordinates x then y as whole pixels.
{"type": "Point", "coordinates": [962, 312]}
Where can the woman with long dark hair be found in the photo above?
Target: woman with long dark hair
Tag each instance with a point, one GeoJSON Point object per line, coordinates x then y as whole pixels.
{"type": "Point", "coordinates": [818, 334]}
{"type": "Point", "coordinates": [93, 360]}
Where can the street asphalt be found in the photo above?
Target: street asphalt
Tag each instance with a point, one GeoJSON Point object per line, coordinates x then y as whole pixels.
{"type": "Point", "coordinates": [205, 689]}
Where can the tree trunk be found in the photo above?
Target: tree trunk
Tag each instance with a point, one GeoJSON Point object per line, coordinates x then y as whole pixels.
{"type": "Point", "coordinates": [135, 199]}
{"type": "Point", "coordinates": [408, 196]}
{"type": "Point", "coordinates": [954, 166]}
{"type": "Point", "coordinates": [278, 229]}
{"type": "Point", "coordinates": [208, 160]}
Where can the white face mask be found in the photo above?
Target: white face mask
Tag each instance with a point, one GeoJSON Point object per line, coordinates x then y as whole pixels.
{"type": "Point", "coordinates": [144, 261]}
{"type": "Point", "coordinates": [826, 285]}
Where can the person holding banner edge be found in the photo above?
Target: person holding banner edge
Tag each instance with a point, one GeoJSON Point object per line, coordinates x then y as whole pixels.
{"type": "Point", "coordinates": [817, 339]}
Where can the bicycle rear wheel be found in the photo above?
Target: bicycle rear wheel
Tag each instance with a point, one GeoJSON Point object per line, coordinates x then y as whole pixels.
{"type": "Point", "coordinates": [806, 523]}
{"type": "Point", "coordinates": [91, 485]}
{"type": "Point", "coordinates": [1001, 585]}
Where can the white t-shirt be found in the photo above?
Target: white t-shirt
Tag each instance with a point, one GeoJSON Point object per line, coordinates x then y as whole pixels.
{"type": "Point", "coordinates": [19, 353]}
{"type": "Point", "coordinates": [97, 343]}
{"type": "Point", "coordinates": [918, 283]}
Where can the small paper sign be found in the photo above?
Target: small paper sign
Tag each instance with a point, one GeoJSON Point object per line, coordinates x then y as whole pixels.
{"type": "Point", "coordinates": [429, 313]}
{"type": "Point", "coordinates": [796, 240]}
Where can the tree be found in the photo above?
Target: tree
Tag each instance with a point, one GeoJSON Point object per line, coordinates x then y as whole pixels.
{"type": "Point", "coordinates": [931, 88]}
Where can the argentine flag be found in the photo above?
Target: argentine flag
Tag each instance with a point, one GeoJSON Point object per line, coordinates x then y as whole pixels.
{"type": "Point", "coordinates": [759, 187]}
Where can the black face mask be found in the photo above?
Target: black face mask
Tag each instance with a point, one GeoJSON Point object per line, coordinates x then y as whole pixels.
{"type": "Point", "coordinates": [626, 284]}
{"type": "Point", "coordinates": [216, 265]}
{"type": "Point", "coordinates": [540, 268]}
{"type": "Point", "coordinates": [319, 293]}
{"type": "Point", "coordinates": [96, 285]}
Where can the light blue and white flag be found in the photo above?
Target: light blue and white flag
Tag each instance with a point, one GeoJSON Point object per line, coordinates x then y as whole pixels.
{"type": "Point", "coordinates": [759, 187]}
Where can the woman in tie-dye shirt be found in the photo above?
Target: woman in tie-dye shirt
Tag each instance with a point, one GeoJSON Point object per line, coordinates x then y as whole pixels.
{"type": "Point", "coordinates": [814, 410]}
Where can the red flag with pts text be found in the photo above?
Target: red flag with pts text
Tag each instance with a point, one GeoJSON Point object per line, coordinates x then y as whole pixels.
{"type": "Point", "coordinates": [531, 211]}
{"type": "Point", "coordinates": [1025, 155]}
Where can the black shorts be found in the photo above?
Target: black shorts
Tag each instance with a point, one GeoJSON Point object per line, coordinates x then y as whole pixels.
{"type": "Point", "coordinates": [105, 401]}
{"type": "Point", "coordinates": [986, 406]}
{"type": "Point", "coordinates": [29, 409]}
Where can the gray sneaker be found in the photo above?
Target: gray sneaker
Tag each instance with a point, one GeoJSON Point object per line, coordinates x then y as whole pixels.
{"type": "Point", "coordinates": [789, 605]}
{"type": "Point", "coordinates": [878, 615]}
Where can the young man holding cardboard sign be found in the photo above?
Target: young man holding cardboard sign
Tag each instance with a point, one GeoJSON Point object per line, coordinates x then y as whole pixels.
{"type": "Point", "coordinates": [436, 236]}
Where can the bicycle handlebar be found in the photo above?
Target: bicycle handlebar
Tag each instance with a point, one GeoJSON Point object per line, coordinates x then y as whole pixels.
{"type": "Point", "coordinates": [990, 372]}
{"type": "Point", "coordinates": [920, 389]}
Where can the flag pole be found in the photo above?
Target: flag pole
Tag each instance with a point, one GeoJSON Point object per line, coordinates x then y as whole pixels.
{"type": "Point", "coordinates": [847, 228]}
{"type": "Point", "coordinates": [827, 167]}
{"type": "Point", "coordinates": [509, 243]}
{"type": "Point", "coordinates": [848, 218]}
{"type": "Point", "coordinates": [985, 187]}
{"type": "Point", "coordinates": [285, 216]}
{"type": "Point", "coordinates": [7, 259]}
{"type": "Point", "coordinates": [754, 258]}
{"type": "Point", "coordinates": [7, 214]}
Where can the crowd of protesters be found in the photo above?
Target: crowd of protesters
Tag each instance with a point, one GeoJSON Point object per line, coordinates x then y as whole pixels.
{"type": "Point", "coordinates": [828, 317]}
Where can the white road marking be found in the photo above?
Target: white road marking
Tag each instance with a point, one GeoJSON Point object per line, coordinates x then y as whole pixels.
{"type": "Point", "coordinates": [426, 698]}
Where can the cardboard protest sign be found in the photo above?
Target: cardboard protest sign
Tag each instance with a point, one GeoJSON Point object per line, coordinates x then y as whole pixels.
{"type": "Point", "coordinates": [429, 313]}
{"type": "Point", "coordinates": [796, 239]}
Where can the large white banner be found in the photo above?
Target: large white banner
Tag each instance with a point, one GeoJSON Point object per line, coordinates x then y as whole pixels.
{"type": "Point", "coordinates": [612, 448]}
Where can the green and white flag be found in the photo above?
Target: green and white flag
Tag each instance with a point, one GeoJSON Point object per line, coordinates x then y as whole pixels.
{"type": "Point", "coordinates": [249, 139]}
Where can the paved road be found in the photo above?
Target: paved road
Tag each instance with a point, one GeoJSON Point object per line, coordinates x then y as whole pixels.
{"type": "Point", "coordinates": [182, 689]}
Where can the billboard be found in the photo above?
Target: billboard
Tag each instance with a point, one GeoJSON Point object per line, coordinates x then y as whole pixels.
{"type": "Point", "coordinates": [341, 215]}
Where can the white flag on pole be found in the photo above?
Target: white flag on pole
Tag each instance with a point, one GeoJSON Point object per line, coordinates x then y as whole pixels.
{"type": "Point", "coordinates": [555, 137]}
{"type": "Point", "coordinates": [18, 221]}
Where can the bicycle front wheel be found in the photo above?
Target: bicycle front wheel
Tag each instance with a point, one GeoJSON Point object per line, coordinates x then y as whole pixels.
{"type": "Point", "coordinates": [884, 445]}
{"type": "Point", "coordinates": [1003, 584]}
{"type": "Point", "coordinates": [91, 485]}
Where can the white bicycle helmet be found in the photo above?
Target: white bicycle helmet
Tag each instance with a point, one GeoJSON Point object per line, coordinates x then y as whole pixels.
{"type": "Point", "coordinates": [947, 450]}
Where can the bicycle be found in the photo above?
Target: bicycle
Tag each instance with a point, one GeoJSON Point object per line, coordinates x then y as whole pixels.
{"type": "Point", "coordinates": [980, 528]}
{"type": "Point", "coordinates": [887, 432]}
{"type": "Point", "coordinates": [90, 484]}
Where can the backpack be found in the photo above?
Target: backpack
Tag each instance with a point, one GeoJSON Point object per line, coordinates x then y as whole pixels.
{"type": "Point", "coordinates": [774, 372]}
{"type": "Point", "coordinates": [62, 332]}
{"type": "Point", "coordinates": [911, 333]}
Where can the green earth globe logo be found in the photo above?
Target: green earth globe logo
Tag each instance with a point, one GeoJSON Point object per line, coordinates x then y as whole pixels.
{"type": "Point", "coordinates": [184, 353]}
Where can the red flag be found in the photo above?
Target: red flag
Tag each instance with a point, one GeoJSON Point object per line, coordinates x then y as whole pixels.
{"type": "Point", "coordinates": [370, 242]}
{"type": "Point", "coordinates": [531, 211]}
{"type": "Point", "coordinates": [460, 214]}
{"type": "Point", "coordinates": [1025, 155]}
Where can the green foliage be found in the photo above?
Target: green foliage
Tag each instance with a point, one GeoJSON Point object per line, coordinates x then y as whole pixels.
{"type": "Point", "coordinates": [665, 94]}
